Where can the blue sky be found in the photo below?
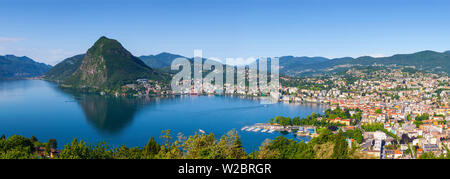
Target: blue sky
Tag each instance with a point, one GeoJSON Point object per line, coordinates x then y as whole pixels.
{"type": "Point", "coordinates": [51, 30]}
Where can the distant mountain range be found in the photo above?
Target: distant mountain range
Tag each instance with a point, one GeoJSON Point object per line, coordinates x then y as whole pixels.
{"type": "Point", "coordinates": [13, 67]}
{"type": "Point", "coordinates": [106, 65]}
{"type": "Point", "coordinates": [64, 69]}
{"type": "Point", "coordinates": [425, 60]}
{"type": "Point", "coordinates": [297, 66]}
{"type": "Point", "coordinates": [161, 60]}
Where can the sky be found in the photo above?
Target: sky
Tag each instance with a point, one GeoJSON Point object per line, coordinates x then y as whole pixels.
{"type": "Point", "coordinates": [51, 30]}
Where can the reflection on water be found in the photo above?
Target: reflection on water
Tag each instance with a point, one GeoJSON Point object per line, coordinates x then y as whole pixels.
{"type": "Point", "coordinates": [109, 114]}
{"type": "Point", "coordinates": [41, 109]}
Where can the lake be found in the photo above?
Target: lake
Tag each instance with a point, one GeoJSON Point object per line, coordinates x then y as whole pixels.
{"type": "Point", "coordinates": [40, 108]}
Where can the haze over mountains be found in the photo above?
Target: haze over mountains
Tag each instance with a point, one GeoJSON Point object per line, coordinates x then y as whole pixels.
{"type": "Point", "coordinates": [64, 69]}
{"type": "Point", "coordinates": [108, 64]}
{"type": "Point", "coordinates": [13, 67]}
{"type": "Point", "coordinates": [298, 66]}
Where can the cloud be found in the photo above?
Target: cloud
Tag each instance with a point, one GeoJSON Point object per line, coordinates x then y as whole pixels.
{"type": "Point", "coordinates": [51, 56]}
{"type": "Point", "coordinates": [239, 61]}
{"type": "Point", "coordinates": [48, 56]}
{"type": "Point", "coordinates": [10, 39]}
{"type": "Point", "coordinates": [377, 55]}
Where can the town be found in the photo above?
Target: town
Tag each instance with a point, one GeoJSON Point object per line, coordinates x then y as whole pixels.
{"type": "Point", "coordinates": [402, 112]}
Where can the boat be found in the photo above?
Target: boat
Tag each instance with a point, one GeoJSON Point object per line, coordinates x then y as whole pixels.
{"type": "Point", "coordinates": [271, 131]}
{"type": "Point", "coordinates": [250, 128]}
{"type": "Point", "coordinates": [256, 129]}
{"type": "Point", "coordinates": [264, 130]}
{"type": "Point", "coordinates": [201, 131]}
{"type": "Point", "coordinates": [244, 128]}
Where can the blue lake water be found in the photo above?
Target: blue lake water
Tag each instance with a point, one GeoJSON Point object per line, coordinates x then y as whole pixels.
{"type": "Point", "coordinates": [40, 108]}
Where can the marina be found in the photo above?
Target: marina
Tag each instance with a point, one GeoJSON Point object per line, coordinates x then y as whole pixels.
{"type": "Point", "coordinates": [270, 128]}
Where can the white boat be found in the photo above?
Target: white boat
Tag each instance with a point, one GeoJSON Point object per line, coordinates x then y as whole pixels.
{"type": "Point", "coordinates": [264, 130]}
{"type": "Point", "coordinates": [244, 128]}
{"type": "Point", "coordinates": [256, 130]}
{"type": "Point", "coordinates": [250, 128]}
{"type": "Point", "coordinates": [271, 131]}
{"type": "Point", "coordinates": [201, 131]}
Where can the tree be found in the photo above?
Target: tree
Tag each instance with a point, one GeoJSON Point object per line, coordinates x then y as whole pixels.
{"type": "Point", "coordinates": [165, 135]}
{"type": "Point", "coordinates": [123, 152]}
{"type": "Point", "coordinates": [422, 117]}
{"type": "Point", "coordinates": [100, 151]}
{"type": "Point", "coordinates": [266, 152]}
{"type": "Point", "coordinates": [17, 142]}
{"type": "Point", "coordinates": [48, 149]}
{"type": "Point", "coordinates": [230, 146]}
{"type": "Point", "coordinates": [33, 139]}
{"type": "Point", "coordinates": [75, 150]}
{"type": "Point", "coordinates": [427, 155]}
{"type": "Point", "coordinates": [340, 150]}
{"type": "Point", "coordinates": [151, 149]}
{"type": "Point", "coordinates": [378, 111]}
{"type": "Point", "coordinates": [354, 134]}
{"type": "Point", "coordinates": [52, 143]}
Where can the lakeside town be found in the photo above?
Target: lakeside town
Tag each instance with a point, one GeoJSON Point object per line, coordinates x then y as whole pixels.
{"type": "Point", "coordinates": [411, 106]}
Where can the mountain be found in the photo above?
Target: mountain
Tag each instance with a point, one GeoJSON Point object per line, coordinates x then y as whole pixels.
{"type": "Point", "coordinates": [64, 69]}
{"type": "Point", "coordinates": [160, 60]}
{"type": "Point", "coordinates": [13, 67]}
{"type": "Point", "coordinates": [163, 61]}
{"type": "Point", "coordinates": [425, 60]}
{"type": "Point", "coordinates": [290, 64]}
{"type": "Point", "coordinates": [301, 66]}
{"type": "Point", "coordinates": [291, 60]}
{"type": "Point", "coordinates": [106, 65]}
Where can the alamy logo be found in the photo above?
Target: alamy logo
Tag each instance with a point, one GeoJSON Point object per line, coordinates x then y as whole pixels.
{"type": "Point", "coordinates": [258, 78]}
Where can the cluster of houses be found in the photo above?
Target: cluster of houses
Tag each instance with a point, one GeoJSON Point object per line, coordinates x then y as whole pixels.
{"type": "Point", "coordinates": [392, 97]}
{"type": "Point", "coordinates": [395, 99]}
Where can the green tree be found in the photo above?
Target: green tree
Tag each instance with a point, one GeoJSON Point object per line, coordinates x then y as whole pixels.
{"type": "Point", "coordinates": [378, 111]}
{"type": "Point", "coordinates": [340, 150]}
{"type": "Point", "coordinates": [47, 149]}
{"type": "Point", "coordinates": [151, 149]}
{"type": "Point", "coordinates": [52, 143]}
{"type": "Point", "coordinates": [230, 146]}
{"type": "Point", "coordinates": [167, 137]}
{"type": "Point", "coordinates": [75, 150]}
{"type": "Point", "coordinates": [33, 139]}
{"type": "Point", "coordinates": [100, 151]}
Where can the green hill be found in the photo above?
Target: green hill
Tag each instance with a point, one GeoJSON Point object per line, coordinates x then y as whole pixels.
{"type": "Point", "coordinates": [64, 69]}
{"type": "Point", "coordinates": [13, 67]}
{"type": "Point", "coordinates": [160, 60]}
{"type": "Point", "coordinates": [301, 66]}
{"type": "Point", "coordinates": [106, 65]}
{"type": "Point", "coordinates": [425, 60]}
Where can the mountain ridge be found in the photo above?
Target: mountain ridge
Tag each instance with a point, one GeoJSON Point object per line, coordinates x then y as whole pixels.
{"type": "Point", "coordinates": [15, 67]}
{"type": "Point", "coordinates": [106, 65]}
{"type": "Point", "coordinates": [292, 65]}
{"type": "Point", "coordinates": [304, 65]}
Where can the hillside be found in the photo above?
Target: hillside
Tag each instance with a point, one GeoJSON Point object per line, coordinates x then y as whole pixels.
{"type": "Point", "coordinates": [13, 67]}
{"type": "Point", "coordinates": [425, 60]}
{"type": "Point", "coordinates": [106, 65]}
{"type": "Point", "coordinates": [160, 60]}
{"type": "Point", "coordinates": [300, 66]}
{"type": "Point", "coordinates": [64, 69]}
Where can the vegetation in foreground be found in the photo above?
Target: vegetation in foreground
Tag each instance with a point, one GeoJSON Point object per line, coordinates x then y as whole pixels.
{"type": "Point", "coordinates": [199, 146]}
